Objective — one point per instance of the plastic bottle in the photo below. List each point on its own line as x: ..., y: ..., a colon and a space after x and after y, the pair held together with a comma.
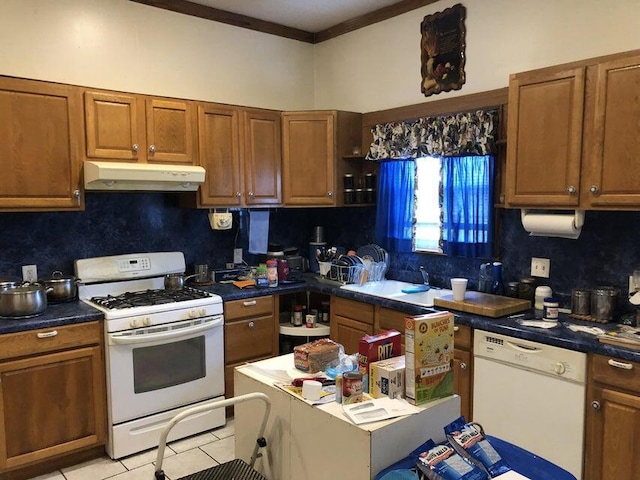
x: 272, y: 272
x: 497, y: 288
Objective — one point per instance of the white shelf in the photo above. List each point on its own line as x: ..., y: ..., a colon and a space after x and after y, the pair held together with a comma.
x: 320, y: 330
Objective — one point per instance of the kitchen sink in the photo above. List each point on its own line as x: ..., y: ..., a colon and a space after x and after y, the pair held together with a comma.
x: 393, y: 290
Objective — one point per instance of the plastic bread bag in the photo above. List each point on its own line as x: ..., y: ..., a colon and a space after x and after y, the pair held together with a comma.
x: 442, y: 462
x: 469, y: 441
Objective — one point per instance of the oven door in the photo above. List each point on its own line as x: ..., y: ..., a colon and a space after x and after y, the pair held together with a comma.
x: 158, y: 368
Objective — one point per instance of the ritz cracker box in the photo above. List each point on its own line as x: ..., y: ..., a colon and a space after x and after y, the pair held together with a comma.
x: 377, y: 347
x: 428, y: 356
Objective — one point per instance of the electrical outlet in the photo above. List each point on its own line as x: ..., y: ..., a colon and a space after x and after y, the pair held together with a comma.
x: 29, y: 273
x: 237, y: 256
x: 540, y: 267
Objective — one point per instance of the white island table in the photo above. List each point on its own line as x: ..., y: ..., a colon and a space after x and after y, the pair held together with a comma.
x: 318, y: 442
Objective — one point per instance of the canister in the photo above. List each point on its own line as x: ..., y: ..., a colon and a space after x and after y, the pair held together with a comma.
x: 512, y: 289
x: 370, y: 181
x: 349, y: 196
x: 550, y: 307
x: 348, y: 181
x: 351, y: 387
x: 580, y: 302
x: 359, y: 195
x: 542, y: 292
x: 603, y: 303
x: 370, y: 195
x: 526, y: 289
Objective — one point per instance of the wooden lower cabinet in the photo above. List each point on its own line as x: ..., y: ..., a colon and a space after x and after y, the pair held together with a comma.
x: 250, y: 333
x: 463, y: 369
x: 350, y: 321
x: 612, y: 447
x: 52, y: 395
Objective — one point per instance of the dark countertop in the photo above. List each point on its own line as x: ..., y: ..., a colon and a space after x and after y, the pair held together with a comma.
x: 560, y: 336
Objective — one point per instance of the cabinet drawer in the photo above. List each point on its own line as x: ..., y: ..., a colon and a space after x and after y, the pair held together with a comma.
x: 613, y: 371
x: 363, y: 312
x: 49, y: 339
x: 248, y: 307
x: 462, y: 337
x: 249, y: 339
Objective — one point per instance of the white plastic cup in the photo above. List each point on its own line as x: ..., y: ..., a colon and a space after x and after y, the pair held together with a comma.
x: 324, y: 268
x: 311, y: 390
x: 459, y: 287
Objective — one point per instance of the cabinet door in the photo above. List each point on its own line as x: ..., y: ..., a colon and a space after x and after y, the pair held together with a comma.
x: 462, y: 379
x: 248, y: 339
x: 170, y: 131
x: 262, y: 157
x: 51, y: 404
x: 612, y: 178
x: 218, y: 135
x: 613, y: 435
x: 348, y: 332
x: 115, y: 126
x: 544, y: 147
x: 40, y: 145
x: 308, y: 164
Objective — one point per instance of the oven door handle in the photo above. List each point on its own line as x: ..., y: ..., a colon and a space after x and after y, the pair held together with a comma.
x: 152, y: 337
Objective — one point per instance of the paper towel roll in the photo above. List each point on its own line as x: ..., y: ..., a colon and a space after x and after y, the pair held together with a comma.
x: 561, y: 225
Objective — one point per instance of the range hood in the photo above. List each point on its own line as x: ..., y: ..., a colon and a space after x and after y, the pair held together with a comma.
x: 120, y: 176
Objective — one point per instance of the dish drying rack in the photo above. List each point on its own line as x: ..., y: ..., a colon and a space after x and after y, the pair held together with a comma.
x: 358, y: 274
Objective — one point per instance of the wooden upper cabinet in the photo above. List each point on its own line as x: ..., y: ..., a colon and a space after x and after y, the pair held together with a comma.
x: 40, y: 145
x: 544, y: 147
x: 309, y: 158
x: 612, y: 176
x: 171, y: 131
x: 262, y: 154
x: 314, y: 144
x: 219, y: 145
x: 128, y: 127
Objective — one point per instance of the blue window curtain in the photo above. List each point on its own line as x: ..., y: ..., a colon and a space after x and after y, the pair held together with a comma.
x: 467, y: 183
x: 394, y: 213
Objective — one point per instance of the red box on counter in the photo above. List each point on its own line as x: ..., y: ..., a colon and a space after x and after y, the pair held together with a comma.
x: 377, y: 347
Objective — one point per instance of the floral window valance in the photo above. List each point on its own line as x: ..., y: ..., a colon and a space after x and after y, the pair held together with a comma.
x: 470, y: 133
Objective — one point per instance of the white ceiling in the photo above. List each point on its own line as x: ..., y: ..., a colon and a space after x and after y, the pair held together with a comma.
x: 308, y: 15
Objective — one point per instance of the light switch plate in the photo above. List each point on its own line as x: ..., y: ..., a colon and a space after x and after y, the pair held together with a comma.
x: 540, y: 267
x: 30, y: 273
x: 237, y: 256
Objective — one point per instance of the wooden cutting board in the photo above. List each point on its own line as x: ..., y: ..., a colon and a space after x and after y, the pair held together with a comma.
x: 484, y: 304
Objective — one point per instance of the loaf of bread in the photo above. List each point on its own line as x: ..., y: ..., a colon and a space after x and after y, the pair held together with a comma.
x: 316, y: 356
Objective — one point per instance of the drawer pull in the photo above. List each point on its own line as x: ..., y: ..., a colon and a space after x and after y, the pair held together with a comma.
x: 617, y: 364
x: 50, y: 334
x: 252, y: 325
x: 456, y: 328
x: 250, y: 303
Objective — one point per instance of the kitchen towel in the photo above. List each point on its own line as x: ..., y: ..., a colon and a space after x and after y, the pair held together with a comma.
x: 563, y: 225
x: 258, y: 231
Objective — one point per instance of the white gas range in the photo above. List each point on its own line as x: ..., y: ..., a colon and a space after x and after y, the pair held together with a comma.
x: 164, y: 349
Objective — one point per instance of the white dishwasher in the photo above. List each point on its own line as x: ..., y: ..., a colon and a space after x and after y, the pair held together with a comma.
x: 531, y: 395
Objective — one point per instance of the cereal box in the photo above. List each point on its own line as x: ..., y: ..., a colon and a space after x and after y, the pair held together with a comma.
x: 376, y: 347
x: 429, y: 356
x: 386, y: 378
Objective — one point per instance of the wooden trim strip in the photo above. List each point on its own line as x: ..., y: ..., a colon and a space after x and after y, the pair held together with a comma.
x: 367, y: 19
x: 491, y: 98
x: 235, y: 19
x: 251, y: 23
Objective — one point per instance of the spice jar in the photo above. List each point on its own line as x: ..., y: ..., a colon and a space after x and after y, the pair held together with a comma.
x: 296, y: 318
x: 349, y: 196
x: 359, y: 195
x: 349, y: 182
x: 550, y: 307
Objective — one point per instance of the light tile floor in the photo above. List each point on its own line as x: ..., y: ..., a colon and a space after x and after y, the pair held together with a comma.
x: 182, y: 457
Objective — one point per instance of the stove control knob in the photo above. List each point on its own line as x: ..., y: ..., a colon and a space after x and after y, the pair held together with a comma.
x: 559, y: 368
x: 134, y: 323
x: 146, y: 321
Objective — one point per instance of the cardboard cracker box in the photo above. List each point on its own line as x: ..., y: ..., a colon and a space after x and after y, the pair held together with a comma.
x: 429, y: 356
x: 377, y: 347
x: 386, y: 378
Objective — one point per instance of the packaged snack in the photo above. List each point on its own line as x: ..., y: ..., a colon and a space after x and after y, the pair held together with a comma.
x: 441, y: 462
x: 429, y: 356
x: 469, y: 441
x: 377, y: 347
x: 386, y: 378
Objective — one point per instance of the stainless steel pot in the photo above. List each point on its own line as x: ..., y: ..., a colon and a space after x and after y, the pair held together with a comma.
x: 60, y: 288
x: 9, y: 282
x: 176, y: 281
x: 23, y: 301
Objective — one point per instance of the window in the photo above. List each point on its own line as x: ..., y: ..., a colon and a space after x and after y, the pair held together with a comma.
x: 453, y: 211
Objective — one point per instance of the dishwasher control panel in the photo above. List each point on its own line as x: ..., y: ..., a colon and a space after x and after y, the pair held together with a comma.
x: 534, y: 356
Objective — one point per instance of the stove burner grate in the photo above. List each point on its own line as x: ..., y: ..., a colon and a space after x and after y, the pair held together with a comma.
x: 148, y: 298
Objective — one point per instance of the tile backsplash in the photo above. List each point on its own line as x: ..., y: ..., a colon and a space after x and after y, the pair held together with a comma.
x: 115, y: 223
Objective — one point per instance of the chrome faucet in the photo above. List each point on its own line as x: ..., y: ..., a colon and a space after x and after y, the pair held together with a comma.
x: 425, y: 275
